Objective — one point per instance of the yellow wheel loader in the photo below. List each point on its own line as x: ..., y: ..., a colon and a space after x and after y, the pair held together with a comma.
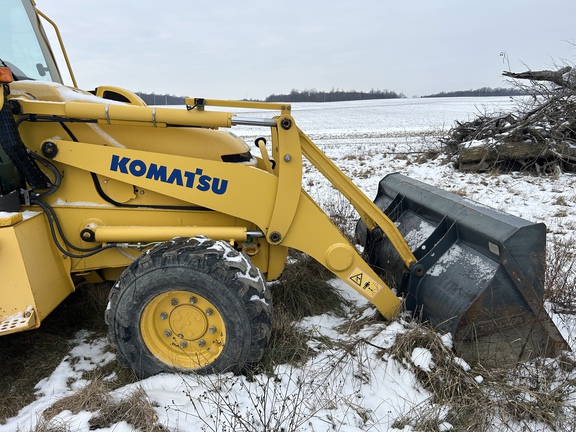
x: 189, y: 224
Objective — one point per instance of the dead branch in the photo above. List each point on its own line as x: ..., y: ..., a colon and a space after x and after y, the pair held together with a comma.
x: 558, y: 77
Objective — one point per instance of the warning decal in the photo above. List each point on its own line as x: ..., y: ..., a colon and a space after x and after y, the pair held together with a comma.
x: 364, y: 282
x: 357, y: 279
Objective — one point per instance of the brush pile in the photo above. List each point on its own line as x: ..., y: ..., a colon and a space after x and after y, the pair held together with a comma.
x: 539, y: 137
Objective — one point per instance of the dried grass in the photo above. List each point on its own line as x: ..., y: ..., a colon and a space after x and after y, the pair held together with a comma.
x: 560, y: 286
x: 92, y: 397
x: 303, y: 290
x: 288, y: 344
x: 135, y: 409
x: 477, y: 399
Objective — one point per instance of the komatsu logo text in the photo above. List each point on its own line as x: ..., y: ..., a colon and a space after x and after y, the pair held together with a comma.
x: 191, y: 179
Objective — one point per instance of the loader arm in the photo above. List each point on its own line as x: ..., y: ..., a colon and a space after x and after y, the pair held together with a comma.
x: 283, y: 210
x: 310, y: 231
x: 372, y: 216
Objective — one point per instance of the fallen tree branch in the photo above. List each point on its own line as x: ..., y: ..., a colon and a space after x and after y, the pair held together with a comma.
x: 557, y: 77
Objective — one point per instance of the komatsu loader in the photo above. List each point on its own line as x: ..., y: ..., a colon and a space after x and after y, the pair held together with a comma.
x: 189, y: 223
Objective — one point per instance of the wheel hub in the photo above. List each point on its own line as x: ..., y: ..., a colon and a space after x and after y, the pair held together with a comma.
x: 188, y: 322
x: 183, y: 330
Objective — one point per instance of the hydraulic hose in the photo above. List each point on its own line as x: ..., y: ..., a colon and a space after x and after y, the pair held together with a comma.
x: 16, y: 150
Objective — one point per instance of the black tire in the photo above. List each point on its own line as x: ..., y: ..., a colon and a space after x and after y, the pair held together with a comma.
x: 180, y: 281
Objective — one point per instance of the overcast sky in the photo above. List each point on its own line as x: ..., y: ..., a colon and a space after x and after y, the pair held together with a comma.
x: 251, y: 49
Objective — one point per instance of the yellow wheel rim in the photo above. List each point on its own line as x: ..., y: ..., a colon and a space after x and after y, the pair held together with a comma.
x: 183, y: 329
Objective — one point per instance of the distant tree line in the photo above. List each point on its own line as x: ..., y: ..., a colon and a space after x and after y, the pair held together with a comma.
x: 484, y: 91
x: 161, y: 99
x: 336, y: 95
x: 332, y: 96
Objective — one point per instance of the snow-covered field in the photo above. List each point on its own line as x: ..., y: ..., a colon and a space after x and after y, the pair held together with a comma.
x: 338, y: 390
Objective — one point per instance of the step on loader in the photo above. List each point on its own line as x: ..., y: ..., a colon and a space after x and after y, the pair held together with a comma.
x: 189, y: 225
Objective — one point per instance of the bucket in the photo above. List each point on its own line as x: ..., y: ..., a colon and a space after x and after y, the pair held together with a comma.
x: 479, y: 273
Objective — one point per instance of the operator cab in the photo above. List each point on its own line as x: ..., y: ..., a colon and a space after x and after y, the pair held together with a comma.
x: 24, y: 50
x: 23, y: 43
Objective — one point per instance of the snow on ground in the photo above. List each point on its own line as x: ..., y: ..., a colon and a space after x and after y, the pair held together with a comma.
x: 334, y: 390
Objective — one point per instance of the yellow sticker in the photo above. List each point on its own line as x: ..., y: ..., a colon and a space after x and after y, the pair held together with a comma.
x: 364, y: 282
